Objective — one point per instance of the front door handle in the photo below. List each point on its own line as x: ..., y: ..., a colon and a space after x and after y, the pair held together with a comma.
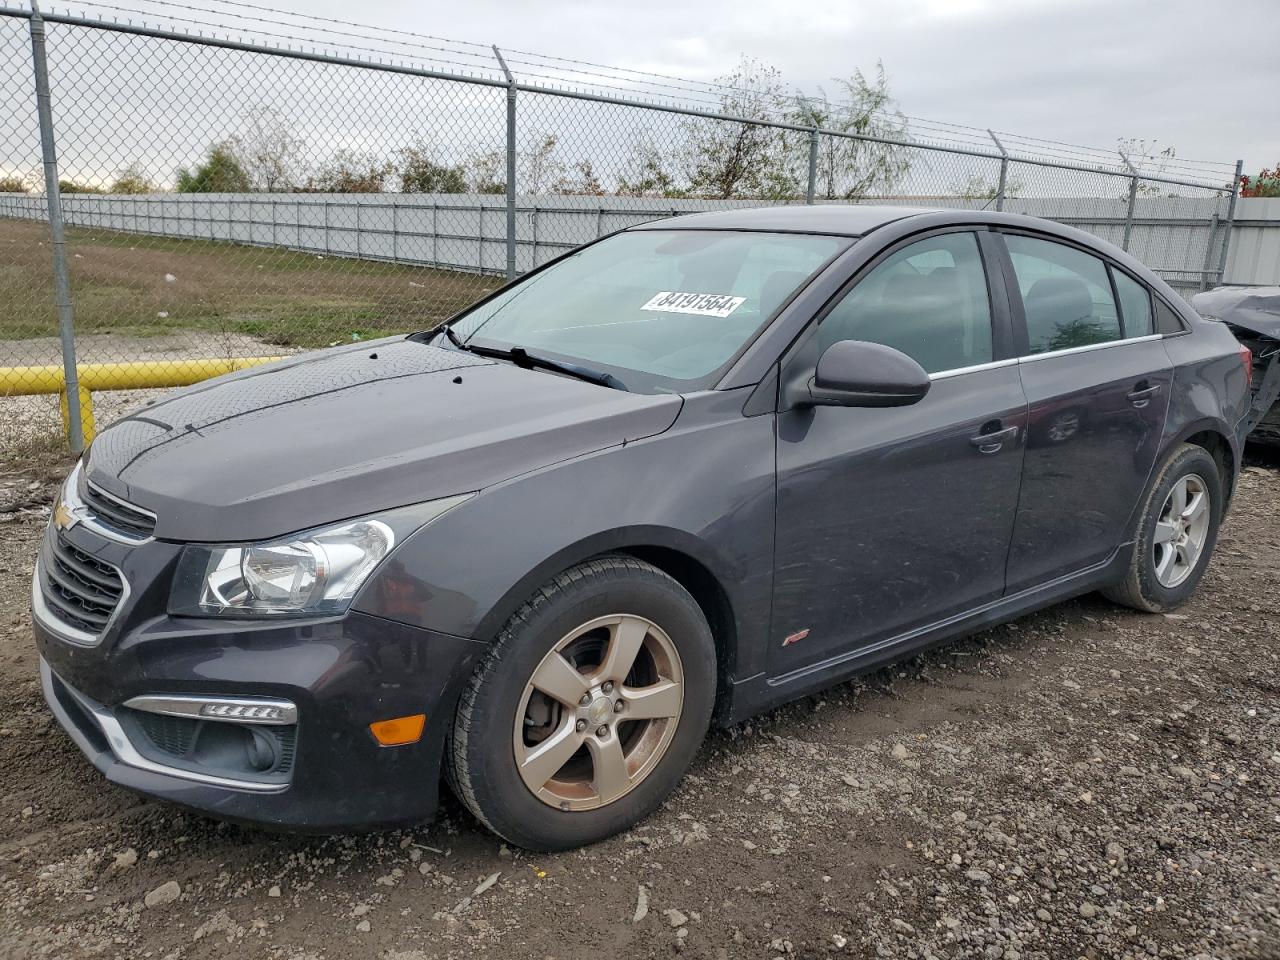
x: 993, y: 442
x: 1142, y: 393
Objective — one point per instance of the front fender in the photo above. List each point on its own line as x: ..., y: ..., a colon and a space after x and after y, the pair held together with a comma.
x: 704, y: 488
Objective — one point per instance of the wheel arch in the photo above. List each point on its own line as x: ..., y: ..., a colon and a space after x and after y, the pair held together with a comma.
x: 681, y: 556
x: 1217, y: 440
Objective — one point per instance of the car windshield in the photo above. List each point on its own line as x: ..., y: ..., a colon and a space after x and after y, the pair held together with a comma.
x: 662, y: 310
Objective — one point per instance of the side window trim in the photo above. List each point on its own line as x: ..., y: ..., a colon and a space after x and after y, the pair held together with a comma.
x: 998, y: 301
x: 1115, y: 295
x: 1088, y: 348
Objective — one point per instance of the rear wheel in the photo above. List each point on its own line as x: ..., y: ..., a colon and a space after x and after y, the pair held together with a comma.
x: 588, y: 709
x: 1176, y: 533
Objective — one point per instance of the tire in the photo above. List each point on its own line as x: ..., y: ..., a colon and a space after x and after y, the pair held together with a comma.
x: 1145, y: 587
x: 578, y: 620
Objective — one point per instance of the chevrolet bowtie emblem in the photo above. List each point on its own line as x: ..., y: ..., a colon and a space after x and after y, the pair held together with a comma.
x: 64, y: 517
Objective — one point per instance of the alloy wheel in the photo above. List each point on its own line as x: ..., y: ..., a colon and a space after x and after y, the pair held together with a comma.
x: 599, y: 712
x: 1181, y: 530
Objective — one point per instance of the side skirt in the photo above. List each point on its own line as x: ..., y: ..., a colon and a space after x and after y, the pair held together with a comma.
x: 753, y: 695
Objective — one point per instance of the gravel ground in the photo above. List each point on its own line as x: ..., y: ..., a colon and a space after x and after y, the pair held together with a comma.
x: 1086, y: 782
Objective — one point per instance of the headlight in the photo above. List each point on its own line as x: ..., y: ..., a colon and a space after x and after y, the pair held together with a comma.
x: 315, y: 572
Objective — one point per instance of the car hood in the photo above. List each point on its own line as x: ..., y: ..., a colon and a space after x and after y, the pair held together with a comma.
x: 351, y: 431
x: 1254, y: 308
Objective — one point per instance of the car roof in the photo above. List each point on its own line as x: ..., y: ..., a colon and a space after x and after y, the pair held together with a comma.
x: 842, y: 219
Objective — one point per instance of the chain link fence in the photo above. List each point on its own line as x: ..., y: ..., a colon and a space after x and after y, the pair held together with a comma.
x: 225, y: 201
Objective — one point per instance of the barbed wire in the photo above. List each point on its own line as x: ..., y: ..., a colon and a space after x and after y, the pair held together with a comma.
x: 562, y: 74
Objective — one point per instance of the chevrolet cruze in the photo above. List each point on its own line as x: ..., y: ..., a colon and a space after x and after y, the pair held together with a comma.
x: 678, y: 476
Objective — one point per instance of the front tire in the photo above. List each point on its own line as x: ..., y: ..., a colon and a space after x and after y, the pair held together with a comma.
x: 1176, y: 535
x: 588, y: 709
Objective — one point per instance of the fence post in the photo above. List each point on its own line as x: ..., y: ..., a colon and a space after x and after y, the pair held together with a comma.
x: 1133, y: 200
x: 813, y: 166
x: 1004, y: 170
x: 1208, y: 253
x: 74, y: 399
x: 511, y: 165
x: 1230, y: 223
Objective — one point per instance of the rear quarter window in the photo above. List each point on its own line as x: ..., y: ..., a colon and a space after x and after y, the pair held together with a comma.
x: 1167, y: 319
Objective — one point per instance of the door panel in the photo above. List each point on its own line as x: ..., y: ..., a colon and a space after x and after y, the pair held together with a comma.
x: 1096, y: 420
x: 1097, y: 403
x: 891, y: 519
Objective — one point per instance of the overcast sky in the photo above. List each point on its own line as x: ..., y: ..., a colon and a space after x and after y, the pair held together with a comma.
x: 1193, y: 75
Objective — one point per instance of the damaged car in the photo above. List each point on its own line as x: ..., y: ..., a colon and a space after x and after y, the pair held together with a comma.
x: 1253, y: 315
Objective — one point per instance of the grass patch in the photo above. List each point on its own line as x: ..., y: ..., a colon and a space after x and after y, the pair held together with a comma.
x: 136, y: 285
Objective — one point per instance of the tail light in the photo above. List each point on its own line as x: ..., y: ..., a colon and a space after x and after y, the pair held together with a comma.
x: 1246, y: 357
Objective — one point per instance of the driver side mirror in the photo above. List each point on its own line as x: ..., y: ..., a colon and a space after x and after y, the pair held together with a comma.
x: 856, y: 373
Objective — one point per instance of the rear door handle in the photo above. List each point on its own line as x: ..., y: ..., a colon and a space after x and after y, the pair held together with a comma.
x: 993, y: 442
x: 1141, y: 395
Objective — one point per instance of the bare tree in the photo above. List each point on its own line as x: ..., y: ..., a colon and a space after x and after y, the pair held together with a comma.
x: 728, y: 159
x: 1145, y: 157
x: 269, y: 150
x: 850, y: 168
x: 539, y: 167
x: 648, y: 171
x: 579, y: 180
x: 485, y: 171
x: 349, y: 171
x: 978, y: 187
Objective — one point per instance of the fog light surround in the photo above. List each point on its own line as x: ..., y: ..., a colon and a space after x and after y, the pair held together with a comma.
x: 232, y: 709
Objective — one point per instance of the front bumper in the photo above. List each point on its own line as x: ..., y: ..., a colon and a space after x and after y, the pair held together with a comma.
x: 342, y: 673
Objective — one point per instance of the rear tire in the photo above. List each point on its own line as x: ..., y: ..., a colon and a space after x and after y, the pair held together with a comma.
x: 1175, y: 537
x: 588, y: 709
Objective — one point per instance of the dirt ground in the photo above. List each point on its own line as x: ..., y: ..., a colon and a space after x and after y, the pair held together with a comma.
x: 1086, y: 782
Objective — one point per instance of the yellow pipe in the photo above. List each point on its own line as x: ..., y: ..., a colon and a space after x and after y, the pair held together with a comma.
x: 136, y: 375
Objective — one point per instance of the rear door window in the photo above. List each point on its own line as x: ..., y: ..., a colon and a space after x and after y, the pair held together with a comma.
x: 1066, y: 295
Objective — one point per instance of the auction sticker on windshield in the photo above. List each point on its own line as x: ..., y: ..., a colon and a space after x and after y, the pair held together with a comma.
x: 700, y: 304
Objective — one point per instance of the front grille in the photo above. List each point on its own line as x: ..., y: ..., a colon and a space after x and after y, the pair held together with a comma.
x: 80, y: 590
x: 124, y: 518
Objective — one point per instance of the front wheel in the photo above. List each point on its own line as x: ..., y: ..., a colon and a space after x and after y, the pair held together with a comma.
x: 1176, y: 533
x: 588, y: 709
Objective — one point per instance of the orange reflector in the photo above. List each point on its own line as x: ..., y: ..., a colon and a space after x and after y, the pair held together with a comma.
x: 401, y: 730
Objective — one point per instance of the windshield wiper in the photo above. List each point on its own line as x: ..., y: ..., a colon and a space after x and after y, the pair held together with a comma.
x: 447, y: 330
x: 530, y: 361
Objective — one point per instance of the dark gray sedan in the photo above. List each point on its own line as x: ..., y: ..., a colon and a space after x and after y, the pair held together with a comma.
x: 682, y: 474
